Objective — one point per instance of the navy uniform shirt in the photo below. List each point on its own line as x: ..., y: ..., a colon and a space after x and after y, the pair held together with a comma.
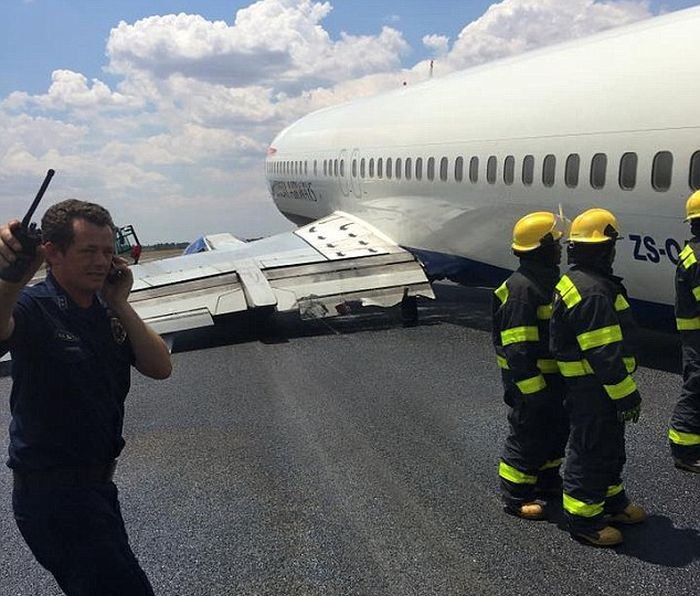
x: 71, y: 372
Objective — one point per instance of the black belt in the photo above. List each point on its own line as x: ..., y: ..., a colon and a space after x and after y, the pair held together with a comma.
x: 65, y: 476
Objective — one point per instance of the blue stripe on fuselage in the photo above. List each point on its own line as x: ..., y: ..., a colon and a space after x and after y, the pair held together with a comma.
x: 474, y: 273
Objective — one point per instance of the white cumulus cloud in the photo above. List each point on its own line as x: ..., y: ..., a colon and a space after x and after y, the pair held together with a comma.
x: 177, y: 145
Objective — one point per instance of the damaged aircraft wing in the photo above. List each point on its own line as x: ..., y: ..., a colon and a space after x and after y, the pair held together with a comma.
x: 315, y: 270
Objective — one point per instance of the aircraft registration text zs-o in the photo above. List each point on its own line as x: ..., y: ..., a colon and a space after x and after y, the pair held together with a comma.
x: 647, y: 249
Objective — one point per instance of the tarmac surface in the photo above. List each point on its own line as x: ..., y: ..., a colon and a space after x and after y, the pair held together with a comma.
x: 359, y: 457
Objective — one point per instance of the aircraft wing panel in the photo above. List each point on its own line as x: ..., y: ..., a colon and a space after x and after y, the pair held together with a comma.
x: 315, y: 270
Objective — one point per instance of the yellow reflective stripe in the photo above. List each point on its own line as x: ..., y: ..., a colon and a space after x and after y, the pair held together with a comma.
x: 688, y: 324
x: 502, y: 362
x: 513, y: 475
x: 621, y: 303
x: 696, y: 293
x: 599, y: 337
x: 576, y: 507
x: 614, y: 489
x: 547, y: 366
x: 518, y: 334
x: 555, y: 463
x: 568, y: 292
x: 580, y: 368
x: 621, y: 389
x: 577, y: 368
x: 502, y: 292
x: 544, y: 312
x: 680, y: 438
x: 531, y: 385
x: 687, y: 256
x: 687, y: 250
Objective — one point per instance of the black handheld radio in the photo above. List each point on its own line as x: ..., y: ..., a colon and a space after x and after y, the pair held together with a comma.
x: 29, y: 237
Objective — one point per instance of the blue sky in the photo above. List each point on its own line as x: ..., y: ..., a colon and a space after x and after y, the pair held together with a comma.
x: 165, y: 118
x: 39, y: 36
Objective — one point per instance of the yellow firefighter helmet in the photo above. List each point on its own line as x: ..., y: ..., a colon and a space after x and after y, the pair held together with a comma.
x: 594, y: 226
x: 692, y: 206
x: 536, y: 229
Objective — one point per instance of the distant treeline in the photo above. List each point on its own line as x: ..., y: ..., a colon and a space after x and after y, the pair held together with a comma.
x: 166, y: 246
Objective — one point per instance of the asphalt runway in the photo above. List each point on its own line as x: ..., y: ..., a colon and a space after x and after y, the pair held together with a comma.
x: 359, y: 457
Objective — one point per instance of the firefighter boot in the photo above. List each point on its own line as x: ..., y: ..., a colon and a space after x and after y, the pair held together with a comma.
x: 607, y: 536
x: 532, y: 510
x: 632, y: 514
x: 688, y: 466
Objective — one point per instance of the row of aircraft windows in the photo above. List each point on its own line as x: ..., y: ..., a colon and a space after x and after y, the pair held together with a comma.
x: 661, y: 170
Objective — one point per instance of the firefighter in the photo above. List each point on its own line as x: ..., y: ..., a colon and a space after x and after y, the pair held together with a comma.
x: 522, y: 306
x: 684, y: 434
x: 592, y: 332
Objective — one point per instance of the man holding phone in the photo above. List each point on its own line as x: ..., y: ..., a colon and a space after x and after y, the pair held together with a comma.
x: 73, y: 339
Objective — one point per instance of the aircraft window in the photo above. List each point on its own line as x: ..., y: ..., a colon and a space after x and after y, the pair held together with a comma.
x: 599, y: 165
x: 459, y: 169
x: 335, y: 168
x: 474, y: 169
x: 362, y: 168
x: 491, y: 166
x: 389, y: 170
x: 419, y: 168
x: 444, y: 163
x: 549, y: 166
x: 430, y: 170
x: 571, y: 170
x: 397, y: 168
x: 354, y: 168
x: 661, y: 170
x: 379, y: 167
x: 528, y: 170
x: 695, y: 171
x: 315, y: 169
x: 407, y: 168
x: 306, y: 168
x: 509, y: 170
x: 342, y: 168
x: 371, y: 167
x: 628, y: 171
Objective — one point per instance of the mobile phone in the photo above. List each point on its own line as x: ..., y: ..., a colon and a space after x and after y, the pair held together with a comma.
x: 113, y: 275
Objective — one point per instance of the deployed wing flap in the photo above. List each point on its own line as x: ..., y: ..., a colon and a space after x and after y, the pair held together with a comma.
x: 315, y: 270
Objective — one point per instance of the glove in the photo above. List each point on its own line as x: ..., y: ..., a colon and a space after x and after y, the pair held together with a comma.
x: 631, y: 415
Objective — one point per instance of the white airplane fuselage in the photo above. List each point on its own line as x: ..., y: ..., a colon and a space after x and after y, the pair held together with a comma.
x: 501, y: 140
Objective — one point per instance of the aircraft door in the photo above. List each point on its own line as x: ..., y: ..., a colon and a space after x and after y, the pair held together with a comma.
x: 355, y: 179
x: 343, y: 173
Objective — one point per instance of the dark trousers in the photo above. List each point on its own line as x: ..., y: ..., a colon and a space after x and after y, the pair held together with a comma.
x: 538, y: 429
x: 78, y: 534
x: 596, y: 456
x: 686, y: 414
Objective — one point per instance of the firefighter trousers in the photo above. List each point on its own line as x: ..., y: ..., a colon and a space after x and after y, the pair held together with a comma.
x: 684, y: 435
x: 592, y: 476
x: 534, y: 447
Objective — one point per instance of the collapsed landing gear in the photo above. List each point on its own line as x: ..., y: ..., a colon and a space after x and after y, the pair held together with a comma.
x: 409, y: 310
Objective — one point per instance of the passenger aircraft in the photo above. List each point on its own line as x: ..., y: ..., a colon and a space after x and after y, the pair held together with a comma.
x: 426, y: 182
